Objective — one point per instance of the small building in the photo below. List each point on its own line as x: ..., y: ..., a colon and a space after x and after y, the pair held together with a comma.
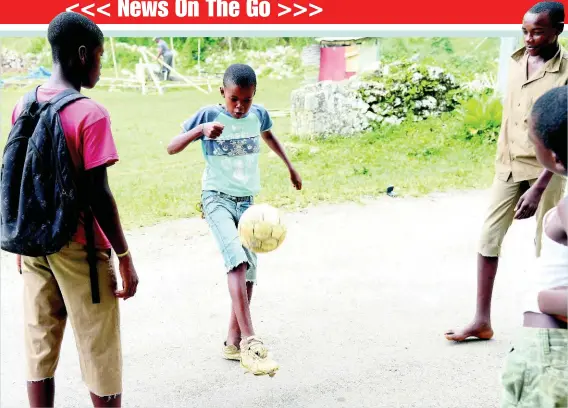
x: 343, y: 57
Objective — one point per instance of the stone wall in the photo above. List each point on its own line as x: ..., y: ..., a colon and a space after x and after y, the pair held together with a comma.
x: 389, y: 95
x: 328, y: 108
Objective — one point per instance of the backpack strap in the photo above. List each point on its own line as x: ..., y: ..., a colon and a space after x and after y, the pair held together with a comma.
x: 30, y: 102
x: 30, y: 97
x: 64, y: 98
x: 57, y: 103
x: 88, y: 221
x: 60, y: 100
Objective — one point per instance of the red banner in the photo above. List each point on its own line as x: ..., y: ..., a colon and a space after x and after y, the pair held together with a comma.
x: 304, y: 12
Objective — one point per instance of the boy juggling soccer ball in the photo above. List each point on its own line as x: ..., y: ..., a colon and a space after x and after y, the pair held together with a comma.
x: 536, y: 369
x: 230, y: 137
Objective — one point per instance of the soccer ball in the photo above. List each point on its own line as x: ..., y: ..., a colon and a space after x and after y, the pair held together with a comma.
x: 260, y: 228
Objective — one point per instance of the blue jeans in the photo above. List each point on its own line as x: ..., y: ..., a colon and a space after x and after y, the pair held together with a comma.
x: 223, y: 212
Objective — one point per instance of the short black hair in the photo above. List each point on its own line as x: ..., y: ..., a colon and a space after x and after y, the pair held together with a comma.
x: 68, y: 31
x: 554, y: 9
x: 549, y: 114
x: 240, y: 75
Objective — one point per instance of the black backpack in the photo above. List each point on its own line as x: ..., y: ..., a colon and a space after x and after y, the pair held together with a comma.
x: 41, y: 203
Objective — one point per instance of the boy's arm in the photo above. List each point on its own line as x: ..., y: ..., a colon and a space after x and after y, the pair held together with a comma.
x: 181, y: 141
x: 104, y: 208
x: 554, y: 302
x: 199, y: 125
x: 105, y: 212
x: 528, y: 203
x: 543, y: 180
x: 277, y: 148
x: 212, y: 130
x: 99, y: 152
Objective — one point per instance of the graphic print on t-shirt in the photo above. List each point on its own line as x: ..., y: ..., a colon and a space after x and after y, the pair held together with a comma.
x: 232, y: 158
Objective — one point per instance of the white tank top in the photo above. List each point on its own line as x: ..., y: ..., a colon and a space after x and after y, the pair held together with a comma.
x: 550, y: 269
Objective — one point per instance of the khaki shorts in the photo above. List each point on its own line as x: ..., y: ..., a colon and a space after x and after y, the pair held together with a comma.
x: 501, y: 212
x: 536, y: 370
x: 56, y: 287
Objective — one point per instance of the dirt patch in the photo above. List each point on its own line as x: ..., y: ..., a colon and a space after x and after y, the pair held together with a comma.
x: 353, y: 305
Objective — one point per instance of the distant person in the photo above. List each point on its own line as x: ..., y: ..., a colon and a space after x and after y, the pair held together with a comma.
x: 77, y: 283
x: 536, y: 369
x: 166, y: 54
x: 231, y: 135
x: 521, y: 187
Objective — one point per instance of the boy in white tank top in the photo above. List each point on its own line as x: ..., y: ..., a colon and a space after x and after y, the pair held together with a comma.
x: 536, y: 369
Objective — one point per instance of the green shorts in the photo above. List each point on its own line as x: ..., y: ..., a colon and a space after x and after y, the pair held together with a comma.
x: 536, y: 370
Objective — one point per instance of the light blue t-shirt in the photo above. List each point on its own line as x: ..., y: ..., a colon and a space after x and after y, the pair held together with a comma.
x: 232, y: 159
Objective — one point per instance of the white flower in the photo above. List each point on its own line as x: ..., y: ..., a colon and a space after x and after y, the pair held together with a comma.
x: 417, y: 76
x: 435, y: 72
x: 428, y: 102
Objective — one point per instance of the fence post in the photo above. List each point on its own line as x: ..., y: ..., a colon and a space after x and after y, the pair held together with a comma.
x: 508, y: 46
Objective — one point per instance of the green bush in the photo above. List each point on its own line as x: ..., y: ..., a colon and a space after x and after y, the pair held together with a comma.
x: 406, y: 89
x: 481, y: 117
x: 38, y: 45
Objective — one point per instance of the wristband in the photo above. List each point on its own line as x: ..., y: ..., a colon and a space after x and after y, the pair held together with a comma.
x: 124, y: 254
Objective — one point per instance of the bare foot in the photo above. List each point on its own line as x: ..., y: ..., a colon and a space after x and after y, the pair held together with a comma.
x: 477, y: 330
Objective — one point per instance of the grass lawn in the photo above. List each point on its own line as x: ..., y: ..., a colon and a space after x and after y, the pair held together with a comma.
x: 151, y: 186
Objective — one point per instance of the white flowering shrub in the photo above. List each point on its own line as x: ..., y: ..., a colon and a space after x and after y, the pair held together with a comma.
x: 407, y: 90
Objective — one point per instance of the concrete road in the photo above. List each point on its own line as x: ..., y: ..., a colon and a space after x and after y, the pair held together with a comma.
x: 354, y: 306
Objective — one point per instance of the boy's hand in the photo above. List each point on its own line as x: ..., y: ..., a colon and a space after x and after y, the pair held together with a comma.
x: 213, y: 129
x: 296, y: 179
x: 528, y: 204
x: 129, y: 278
x: 19, y: 263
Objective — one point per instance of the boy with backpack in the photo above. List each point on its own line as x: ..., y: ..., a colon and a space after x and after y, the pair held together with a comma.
x: 59, y: 215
